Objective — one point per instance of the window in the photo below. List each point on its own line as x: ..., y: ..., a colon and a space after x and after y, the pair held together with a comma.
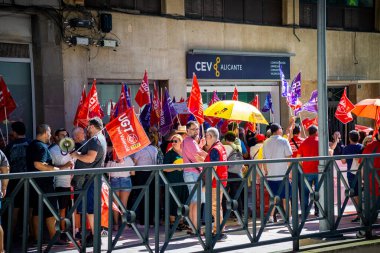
x: 352, y: 15
x: 144, y: 6
x: 262, y: 12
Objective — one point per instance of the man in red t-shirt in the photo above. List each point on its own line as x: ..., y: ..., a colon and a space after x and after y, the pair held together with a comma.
x: 295, y: 141
x: 309, y: 148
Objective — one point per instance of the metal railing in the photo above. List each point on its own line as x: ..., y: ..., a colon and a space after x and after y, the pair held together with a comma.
x: 366, y: 208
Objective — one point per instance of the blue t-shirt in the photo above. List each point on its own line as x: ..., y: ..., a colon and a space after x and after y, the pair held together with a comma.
x: 352, y: 149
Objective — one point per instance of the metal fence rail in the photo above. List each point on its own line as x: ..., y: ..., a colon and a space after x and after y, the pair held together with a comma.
x: 366, y: 208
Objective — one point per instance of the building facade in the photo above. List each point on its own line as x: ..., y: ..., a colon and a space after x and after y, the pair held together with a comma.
x: 47, y: 54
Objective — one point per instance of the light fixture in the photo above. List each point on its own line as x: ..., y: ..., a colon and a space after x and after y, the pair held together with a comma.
x: 78, y: 40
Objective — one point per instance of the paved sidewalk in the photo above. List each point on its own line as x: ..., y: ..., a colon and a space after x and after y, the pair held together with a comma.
x: 191, y: 244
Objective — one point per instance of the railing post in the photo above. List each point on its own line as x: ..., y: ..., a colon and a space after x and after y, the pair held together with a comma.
x: 157, y: 212
x: 367, y: 198
x: 296, y: 242
x: 25, y: 217
x: 97, y: 211
x: 208, y: 211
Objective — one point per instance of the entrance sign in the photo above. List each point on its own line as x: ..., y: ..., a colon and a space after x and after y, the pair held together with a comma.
x: 221, y: 66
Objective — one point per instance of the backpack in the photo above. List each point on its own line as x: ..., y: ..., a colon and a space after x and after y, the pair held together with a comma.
x: 235, y: 155
x: 17, y: 157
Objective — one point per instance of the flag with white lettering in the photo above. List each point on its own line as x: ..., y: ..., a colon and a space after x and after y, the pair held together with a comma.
x: 143, y: 95
x: 155, y: 111
x: 127, y: 134
x: 343, y: 111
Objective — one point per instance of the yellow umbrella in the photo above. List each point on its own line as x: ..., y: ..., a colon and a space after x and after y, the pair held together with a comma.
x: 235, y: 110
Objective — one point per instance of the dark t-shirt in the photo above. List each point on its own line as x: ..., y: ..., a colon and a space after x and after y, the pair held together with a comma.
x: 97, y: 144
x: 352, y: 149
x: 38, y: 151
x: 17, y: 156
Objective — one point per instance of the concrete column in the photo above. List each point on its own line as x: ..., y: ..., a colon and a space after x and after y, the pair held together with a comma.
x: 290, y: 12
x: 173, y: 7
x: 377, y: 15
x: 48, y: 72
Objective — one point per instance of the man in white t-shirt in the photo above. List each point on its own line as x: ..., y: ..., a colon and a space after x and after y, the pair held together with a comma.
x: 61, y: 183
x: 277, y: 147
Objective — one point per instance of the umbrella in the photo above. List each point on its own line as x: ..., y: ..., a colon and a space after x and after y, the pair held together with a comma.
x: 235, y: 110
x: 368, y: 108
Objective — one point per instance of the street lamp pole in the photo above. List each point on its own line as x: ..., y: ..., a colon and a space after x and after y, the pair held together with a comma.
x: 326, y: 198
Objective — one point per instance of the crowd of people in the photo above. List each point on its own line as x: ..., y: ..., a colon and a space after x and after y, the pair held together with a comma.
x: 181, y: 146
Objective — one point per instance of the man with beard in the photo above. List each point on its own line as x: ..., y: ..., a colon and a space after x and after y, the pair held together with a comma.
x: 38, y: 158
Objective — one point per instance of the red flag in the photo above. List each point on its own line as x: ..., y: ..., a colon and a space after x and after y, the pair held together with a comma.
x: 256, y: 103
x: 195, y: 103
x: 143, y: 95
x: 212, y: 120
x: 309, y: 122
x: 181, y: 100
x: 155, y: 111
x: 122, y: 104
x: 7, y: 103
x: 77, y: 121
x: 235, y: 96
x: 91, y: 107
x: 127, y: 134
x: 343, y: 111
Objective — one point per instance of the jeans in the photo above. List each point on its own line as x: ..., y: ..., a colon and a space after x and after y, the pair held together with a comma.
x: 311, y: 178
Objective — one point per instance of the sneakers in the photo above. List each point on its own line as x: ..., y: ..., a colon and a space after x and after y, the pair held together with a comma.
x: 270, y: 220
x: 104, y: 233
x: 357, y: 219
x: 78, y: 235
x: 222, y: 237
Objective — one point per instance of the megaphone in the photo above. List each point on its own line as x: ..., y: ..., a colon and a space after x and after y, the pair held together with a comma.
x: 67, y: 145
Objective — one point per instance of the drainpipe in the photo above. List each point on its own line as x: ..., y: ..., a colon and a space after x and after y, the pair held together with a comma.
x: 294, y: 21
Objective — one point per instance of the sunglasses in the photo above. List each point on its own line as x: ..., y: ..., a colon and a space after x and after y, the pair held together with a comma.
x: 174, y: 141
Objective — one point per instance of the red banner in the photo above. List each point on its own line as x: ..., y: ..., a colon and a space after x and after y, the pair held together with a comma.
x: 343, y: 111
x: 127, y: 134
x: 7, y: 103
x: 77, y: 121
x: 309, y: 122
x: 195, y: 103
x: 143, y: 95
x: 251, y: 126
x: 155, y: 111
x: 90, y: 107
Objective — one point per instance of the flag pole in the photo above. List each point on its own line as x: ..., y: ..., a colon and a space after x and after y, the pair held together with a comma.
x: 6, y: 123
x: 2, y: 136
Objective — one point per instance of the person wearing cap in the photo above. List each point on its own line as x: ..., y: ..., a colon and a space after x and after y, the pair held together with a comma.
x: 175, y: 176
x: 309, y: 148
x: 181, y: 131
x: 277, y: 147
